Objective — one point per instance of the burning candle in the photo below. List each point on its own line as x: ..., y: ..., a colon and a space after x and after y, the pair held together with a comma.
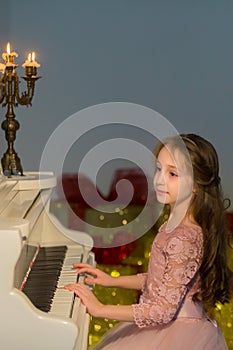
x: 31, y: 60
x: 34, y: 63
x: 8, y: 56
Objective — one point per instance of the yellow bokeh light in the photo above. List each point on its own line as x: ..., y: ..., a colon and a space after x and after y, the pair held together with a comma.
x: 97, y: 327
x: 115, y: 273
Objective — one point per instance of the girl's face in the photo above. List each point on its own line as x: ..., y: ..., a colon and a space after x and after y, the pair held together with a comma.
x: 172, y: 182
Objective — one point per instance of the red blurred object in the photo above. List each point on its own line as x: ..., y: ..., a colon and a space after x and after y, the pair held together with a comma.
x: 116, y: 252
x: 230, y: 221
x: 68, y: 187
x: 139, y: 181
x: 76, y: 212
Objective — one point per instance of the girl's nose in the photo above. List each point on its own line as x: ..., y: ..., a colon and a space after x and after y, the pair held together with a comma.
x: 159, y: 178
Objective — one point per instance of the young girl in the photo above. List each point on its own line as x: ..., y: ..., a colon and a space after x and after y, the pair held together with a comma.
x: 187, y: 270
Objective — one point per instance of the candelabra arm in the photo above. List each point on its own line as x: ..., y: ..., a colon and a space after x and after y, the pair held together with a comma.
x: 26, y: 97
x: 2, y: 90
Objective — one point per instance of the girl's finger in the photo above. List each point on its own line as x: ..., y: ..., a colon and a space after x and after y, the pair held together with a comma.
x: 76, y: 265
x: 91, y: 271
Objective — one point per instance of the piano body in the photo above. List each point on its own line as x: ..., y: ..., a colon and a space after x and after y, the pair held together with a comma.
x: 35, y: 247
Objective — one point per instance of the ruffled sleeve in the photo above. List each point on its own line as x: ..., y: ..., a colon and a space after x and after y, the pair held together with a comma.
x: 182, y: 256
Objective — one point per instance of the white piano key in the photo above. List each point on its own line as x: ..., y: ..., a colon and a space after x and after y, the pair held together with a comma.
x: 69, y: 261
x: 62, y: 303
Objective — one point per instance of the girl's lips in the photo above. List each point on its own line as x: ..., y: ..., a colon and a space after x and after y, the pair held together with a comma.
x: 161, y: 191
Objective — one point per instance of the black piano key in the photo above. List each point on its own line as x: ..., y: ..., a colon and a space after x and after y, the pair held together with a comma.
x: 41, y: 273
x: 39, y: 295
x: 41, y: 283
x: 37, y: 287
x: 51, y: 251
x: 48, y: 266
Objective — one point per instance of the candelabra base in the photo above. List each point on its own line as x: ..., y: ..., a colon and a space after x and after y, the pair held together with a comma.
x: 11, y: 164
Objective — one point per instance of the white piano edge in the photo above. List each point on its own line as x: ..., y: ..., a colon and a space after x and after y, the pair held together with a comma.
x: 21, y: 225
x: 83, y: 320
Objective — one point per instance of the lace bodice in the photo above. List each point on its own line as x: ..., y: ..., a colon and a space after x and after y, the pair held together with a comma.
x: 172, y: 275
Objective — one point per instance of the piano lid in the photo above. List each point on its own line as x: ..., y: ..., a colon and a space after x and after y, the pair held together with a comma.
x: 33, y: 180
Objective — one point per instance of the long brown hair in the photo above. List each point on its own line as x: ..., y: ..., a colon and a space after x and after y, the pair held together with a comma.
x: 208, y: 209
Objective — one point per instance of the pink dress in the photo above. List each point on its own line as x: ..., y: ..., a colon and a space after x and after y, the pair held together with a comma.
x: 166, y: 318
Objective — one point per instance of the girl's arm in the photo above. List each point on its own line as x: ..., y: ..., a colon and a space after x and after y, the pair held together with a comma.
x: 101, y: 278
x: 96, y: 308
x: 183, y: 258
x: 129, y: 282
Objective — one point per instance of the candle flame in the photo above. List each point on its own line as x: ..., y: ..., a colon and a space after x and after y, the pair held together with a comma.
x: 31, y: 60
x: 8, y: 48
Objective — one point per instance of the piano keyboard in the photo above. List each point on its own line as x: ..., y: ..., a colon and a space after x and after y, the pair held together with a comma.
x: 51, y: 271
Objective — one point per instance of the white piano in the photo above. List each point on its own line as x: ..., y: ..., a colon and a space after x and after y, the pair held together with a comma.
x: 34, y: 249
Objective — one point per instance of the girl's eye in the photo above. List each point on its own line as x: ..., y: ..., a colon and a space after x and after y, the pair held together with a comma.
x: 158, y: 168
x: 173, y: 174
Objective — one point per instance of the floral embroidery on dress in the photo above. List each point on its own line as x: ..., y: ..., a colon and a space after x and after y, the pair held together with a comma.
x: 142, y: 277
x: 174, y: 263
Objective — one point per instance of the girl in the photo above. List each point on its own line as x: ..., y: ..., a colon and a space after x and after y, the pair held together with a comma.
x: 187, y: 270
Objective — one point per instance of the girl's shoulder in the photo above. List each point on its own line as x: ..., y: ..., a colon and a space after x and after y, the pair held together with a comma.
x: 181, y: 226
x: 183, y: 231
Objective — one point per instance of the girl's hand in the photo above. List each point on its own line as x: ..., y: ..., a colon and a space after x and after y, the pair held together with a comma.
x: 98, y: 277
x: 87, y: 297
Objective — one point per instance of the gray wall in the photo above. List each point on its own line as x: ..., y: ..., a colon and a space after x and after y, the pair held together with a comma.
x: 175, y: 57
